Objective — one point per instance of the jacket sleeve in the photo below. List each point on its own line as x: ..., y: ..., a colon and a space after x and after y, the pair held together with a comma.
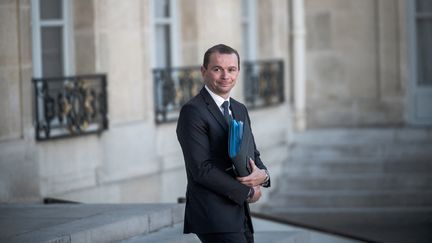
x: 192, y: 133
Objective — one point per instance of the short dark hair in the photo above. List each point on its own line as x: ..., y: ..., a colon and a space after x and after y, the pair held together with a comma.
x: 220, y: 48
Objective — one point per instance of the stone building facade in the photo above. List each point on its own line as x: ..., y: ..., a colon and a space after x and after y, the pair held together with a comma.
x: 359, y: 67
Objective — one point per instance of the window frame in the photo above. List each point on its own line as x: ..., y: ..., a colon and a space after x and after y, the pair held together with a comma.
x: 172, y: 21
x: 418, y: 94
x: 66, y: 23
x: 249, y: 25
x: 427, y: 16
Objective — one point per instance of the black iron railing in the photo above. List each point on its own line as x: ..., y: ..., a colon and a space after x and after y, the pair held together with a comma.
x: 70, y: 106
x: 263, y: 83
x: 173, y: 87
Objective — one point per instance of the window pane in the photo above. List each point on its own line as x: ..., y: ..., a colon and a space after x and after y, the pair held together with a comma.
x: 247, y: 22
x: 162, y: 8
x: 163, y: 49
x: 245, y: 8
x: 246, y: 41
x: 52, y: 55
x: 424, y: 6
x: 424, y: 45
x: 51, y: 9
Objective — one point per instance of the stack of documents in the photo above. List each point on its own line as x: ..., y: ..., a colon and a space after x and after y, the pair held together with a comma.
x: 240, y: 146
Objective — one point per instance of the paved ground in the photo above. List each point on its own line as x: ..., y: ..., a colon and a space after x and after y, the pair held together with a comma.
x: 135, y: 223
x: 84, y: 222
x: 383, y: 225
x: 128, y: 223
x: 265, y: 232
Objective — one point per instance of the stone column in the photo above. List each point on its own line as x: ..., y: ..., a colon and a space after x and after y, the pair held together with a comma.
x: 299, y: 34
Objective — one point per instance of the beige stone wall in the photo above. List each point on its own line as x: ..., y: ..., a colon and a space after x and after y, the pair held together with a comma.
x: 353, y: 63
x: 135, y: 160
x: 119, y: 44
x: 104, y: 164
x: 189, y: 33
x: 84, y: 36
x: 10, y: 86
x: 273, y: 29
x: 218, y: 22
x: 274, y: 33
x: 19, y: 179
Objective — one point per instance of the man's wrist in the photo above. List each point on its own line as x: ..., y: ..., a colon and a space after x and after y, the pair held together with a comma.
x: 267, y: 178
x: 250, y: 194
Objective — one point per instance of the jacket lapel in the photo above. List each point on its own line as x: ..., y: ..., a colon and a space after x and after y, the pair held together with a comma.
x: 212, y: 107
x: 237, y: 110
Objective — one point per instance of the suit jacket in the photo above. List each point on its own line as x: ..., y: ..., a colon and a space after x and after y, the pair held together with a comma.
x: 215, y: 200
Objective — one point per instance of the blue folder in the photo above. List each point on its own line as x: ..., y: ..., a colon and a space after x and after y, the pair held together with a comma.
x: 236, y: 135
x: 240, y: 146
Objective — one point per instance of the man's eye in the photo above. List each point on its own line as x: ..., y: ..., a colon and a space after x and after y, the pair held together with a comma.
x: 232, y: 70
x: 216, y: 69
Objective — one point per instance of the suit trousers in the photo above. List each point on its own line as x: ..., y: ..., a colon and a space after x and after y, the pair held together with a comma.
x: 237, y: 237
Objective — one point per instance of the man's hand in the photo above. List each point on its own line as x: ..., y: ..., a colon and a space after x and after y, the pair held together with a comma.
x: 257, y: 194
x: 256, y: 177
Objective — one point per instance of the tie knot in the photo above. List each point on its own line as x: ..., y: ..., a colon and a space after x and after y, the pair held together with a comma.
x: 226, y: 113
x: 225, y: 105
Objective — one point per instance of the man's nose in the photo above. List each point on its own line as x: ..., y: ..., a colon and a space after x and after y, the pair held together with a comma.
x: 224, y: 74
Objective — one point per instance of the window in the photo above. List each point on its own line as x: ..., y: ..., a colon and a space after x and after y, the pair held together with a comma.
x: 52, y: 40
x: 169, y: 78
x: 65, y: 105
x: 249, y: 29
x: 424, y: 41
x: 420, y: 50
x: 165, y: 33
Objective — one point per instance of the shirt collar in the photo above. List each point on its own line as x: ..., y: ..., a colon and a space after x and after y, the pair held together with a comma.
x: 219, y: 100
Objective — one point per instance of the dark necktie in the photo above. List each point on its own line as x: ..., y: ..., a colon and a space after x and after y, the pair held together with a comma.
x: 226, y: 111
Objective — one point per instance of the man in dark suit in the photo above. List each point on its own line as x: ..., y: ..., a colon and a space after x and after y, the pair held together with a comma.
x: 217, y: 202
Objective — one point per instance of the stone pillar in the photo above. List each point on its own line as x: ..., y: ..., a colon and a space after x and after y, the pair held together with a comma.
x: 17, y: 154
x: 10, y: 102
x: 299, y: 33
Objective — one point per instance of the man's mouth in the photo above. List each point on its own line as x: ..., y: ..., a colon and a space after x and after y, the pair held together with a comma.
x: 224, y: 83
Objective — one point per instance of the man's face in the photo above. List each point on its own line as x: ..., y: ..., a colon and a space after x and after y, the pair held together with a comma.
x: 221, y: 73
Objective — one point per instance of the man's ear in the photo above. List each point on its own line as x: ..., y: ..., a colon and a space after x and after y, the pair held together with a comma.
x: 203, y: 71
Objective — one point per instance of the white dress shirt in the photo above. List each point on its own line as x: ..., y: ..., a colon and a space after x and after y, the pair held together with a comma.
x: 218, y: 99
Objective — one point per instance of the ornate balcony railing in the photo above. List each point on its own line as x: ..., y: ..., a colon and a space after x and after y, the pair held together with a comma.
x: 70, y: 106
x: 263, y: 83
x: 173, y: 87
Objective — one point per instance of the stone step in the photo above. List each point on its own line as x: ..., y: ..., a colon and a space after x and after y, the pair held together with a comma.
x: 378, y: 224
x: 175, y: 235
x: 364, y: 136
x: 272, y: 210
x: 391, y: 198
x: 356, y: 166
x: 281, y: 237
x: 354, y: 182
x: 414, y: 151
x: 84, y: 222
x: 334, y: 177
